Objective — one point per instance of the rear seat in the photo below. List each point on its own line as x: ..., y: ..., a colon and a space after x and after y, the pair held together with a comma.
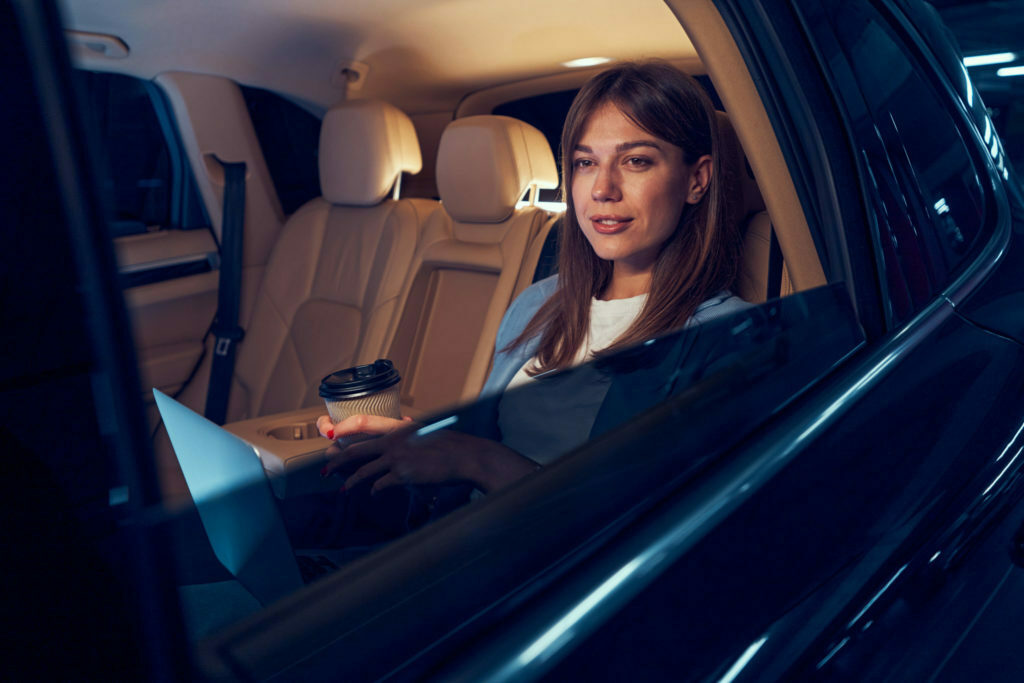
x: 469, y: 265
x: 332, y: 287
x: 331, y: 291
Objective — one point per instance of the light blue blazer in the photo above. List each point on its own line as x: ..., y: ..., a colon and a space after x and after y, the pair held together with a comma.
x: 507, y: 363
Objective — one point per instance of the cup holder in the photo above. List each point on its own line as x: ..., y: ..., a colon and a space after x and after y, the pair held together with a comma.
x: 294, y: 432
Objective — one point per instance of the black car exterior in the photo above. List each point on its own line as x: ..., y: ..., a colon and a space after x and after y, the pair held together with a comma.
x: 836, y: 495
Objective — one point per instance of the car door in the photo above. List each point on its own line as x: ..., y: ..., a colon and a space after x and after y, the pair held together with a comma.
x: 168, y: 256
x: 878, y: 544
x: 160, y: 145
x: 803, y: 516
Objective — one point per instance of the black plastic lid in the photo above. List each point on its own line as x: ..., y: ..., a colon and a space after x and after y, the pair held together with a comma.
x: 359, y: 381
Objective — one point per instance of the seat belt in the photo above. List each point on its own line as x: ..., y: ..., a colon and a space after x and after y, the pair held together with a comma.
x: 226, y: 330
x: 774, y: 266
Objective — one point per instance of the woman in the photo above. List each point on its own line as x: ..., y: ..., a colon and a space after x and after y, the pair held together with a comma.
x: 645, y: 248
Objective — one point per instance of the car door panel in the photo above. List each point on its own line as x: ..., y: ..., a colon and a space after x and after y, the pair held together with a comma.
x: 888, y: 469
x: 170, y: 287
x: 150, y: 257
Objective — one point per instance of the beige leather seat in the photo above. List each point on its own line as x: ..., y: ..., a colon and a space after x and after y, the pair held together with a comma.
x: 333, y: 284
x: 744, y: 197
x: 467, y: 268
x: 332, y: 288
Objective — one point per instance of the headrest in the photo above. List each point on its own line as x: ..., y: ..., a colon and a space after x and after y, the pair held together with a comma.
x: 740, y: 190
x: 486, y: 163
x: 365, y: 145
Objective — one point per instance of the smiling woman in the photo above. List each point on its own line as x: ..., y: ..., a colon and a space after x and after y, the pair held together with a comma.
x: 645, y: 212
x: 627, y: 196
x: 646, y: 251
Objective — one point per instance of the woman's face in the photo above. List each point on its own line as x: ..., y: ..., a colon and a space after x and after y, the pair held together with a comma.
x: 629, y: 188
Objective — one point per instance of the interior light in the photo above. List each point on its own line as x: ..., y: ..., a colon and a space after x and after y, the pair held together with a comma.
x: 553, y: 207
x: 1011, y: 71
x: 586, y: 61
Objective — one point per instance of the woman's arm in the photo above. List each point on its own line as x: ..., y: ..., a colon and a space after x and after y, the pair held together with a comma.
x: 402, y: 456
x: 441, y: 457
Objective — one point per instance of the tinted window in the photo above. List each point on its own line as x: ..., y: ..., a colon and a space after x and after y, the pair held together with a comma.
x: 547, y: 114
x: 135, y: 173
x: 144, y: 177
x: 290, y: 138
x: 927, y: 194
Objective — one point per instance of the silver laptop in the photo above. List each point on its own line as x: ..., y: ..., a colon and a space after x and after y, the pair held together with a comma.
x: 235, y: 503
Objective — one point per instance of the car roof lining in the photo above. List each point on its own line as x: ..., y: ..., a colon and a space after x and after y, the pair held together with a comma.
x: 698, y: 42
x: 421, y: 56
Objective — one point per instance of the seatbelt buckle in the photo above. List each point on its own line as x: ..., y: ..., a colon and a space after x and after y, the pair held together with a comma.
x: 223, y: 346
x: 225, y: 340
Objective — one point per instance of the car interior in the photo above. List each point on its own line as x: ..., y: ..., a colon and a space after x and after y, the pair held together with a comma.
x: 824, y: 483
x: 432, y: 211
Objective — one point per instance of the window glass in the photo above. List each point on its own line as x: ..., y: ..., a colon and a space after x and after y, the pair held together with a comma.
x: 290, y: 138
x: 929, y: 199
x: 135, y: 162
x: 662, y: 412
x: 546, y: 113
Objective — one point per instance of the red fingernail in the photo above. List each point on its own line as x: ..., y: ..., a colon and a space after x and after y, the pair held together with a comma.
x: 323, y: 472
x: 341, y: 490
x: 330, y: 433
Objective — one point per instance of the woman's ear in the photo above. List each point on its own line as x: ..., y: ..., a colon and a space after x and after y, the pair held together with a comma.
x: 699, y: 179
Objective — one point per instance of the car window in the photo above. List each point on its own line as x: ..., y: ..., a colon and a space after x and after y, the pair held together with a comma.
x: 289, y: 138
x: 930, y: 203
x: 672, y: 407
x: 145, y: 183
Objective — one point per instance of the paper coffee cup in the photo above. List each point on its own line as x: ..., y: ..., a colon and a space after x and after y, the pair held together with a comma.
x: 370, y: 389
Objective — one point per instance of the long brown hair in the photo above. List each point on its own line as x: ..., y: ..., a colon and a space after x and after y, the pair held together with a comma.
x: 699, y: 259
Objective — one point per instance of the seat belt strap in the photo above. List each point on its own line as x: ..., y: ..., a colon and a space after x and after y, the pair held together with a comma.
x: 774, y: 266
x: 226, y: 330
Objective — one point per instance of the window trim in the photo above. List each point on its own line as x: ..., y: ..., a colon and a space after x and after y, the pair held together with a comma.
x: 990, y: 254
x: 828, y: 210
x: 187, y: 211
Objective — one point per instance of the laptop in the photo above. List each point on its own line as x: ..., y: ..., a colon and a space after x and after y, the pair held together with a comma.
x: 236, y: 505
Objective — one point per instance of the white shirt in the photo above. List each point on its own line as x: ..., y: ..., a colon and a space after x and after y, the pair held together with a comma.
x: 543, y: 417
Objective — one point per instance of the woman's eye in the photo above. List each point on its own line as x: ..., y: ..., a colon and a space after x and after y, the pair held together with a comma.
x: 638, y: 162
x: 582, y: 163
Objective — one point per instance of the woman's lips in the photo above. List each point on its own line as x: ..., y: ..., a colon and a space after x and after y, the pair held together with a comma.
x: 609, y: 225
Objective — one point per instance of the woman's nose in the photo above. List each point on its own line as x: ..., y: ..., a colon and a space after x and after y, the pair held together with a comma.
x: 606, y: 187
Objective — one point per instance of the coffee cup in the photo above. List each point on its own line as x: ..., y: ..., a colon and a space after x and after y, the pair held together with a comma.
x: 370, y: 389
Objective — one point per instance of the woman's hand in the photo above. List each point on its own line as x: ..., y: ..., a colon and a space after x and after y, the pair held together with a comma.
x: 359, y: 425
x: 401, y: 456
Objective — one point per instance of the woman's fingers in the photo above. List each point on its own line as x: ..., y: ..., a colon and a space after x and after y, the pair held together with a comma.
x: 371, y: 470
x: 388, y: 480
x: 340, y: 456
x: 359, y: 424
x: 367, y: 424
x: 325, y: 426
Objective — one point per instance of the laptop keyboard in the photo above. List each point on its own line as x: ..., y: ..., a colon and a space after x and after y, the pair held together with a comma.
x: 313, y: 567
